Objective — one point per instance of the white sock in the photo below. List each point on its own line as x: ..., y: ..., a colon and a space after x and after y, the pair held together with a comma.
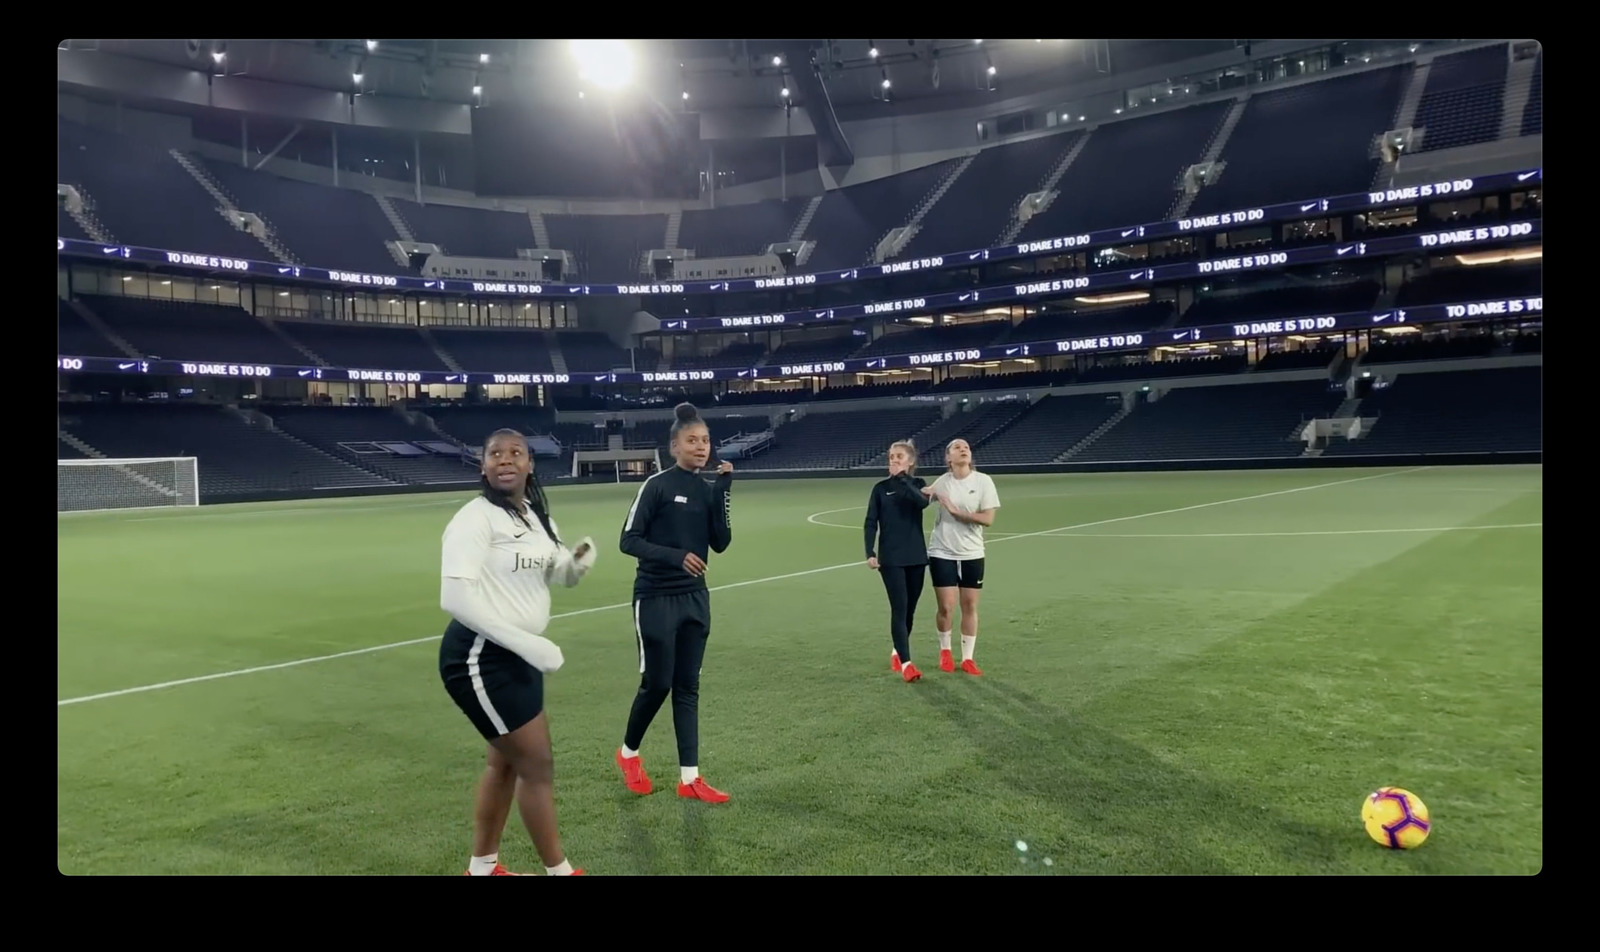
x: 944, y: 641
x: 628, y: 754
x: 483, y: 865
x: 967, y: 643
x: 688, y: 774
x: 565, y: 869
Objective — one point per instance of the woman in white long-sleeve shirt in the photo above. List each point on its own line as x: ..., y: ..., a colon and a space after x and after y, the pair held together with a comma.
x: 501, y: 556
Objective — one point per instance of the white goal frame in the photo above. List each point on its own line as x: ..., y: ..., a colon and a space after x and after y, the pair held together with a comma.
x: 145, y: 482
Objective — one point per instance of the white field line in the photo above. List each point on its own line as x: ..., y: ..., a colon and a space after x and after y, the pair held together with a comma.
x: 1264, y: 535
x: 717, y: 588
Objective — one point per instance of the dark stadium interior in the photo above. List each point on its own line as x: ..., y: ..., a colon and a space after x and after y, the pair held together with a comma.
x: 736, y: 165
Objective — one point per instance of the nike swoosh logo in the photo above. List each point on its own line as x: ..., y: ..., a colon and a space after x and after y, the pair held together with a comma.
x: 519, y: 535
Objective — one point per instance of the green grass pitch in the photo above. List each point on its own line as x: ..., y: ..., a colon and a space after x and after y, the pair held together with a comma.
x: 1197, y: 673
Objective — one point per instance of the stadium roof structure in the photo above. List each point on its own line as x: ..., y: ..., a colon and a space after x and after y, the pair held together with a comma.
x: 736, y: 73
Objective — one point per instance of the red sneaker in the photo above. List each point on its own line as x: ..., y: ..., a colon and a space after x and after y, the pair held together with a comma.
x: 910, y: 673
x: 700, y: 790
x: 497, y: 871
x: 970, y: 666
x: 894, y: 661
x: 633, y: 773
x: 946, y: 663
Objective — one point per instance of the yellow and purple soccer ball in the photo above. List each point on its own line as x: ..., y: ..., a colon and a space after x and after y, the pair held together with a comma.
x: 1396, y: 818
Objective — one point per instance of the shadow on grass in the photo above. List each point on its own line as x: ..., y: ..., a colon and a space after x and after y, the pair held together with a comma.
x: 1127, y: 811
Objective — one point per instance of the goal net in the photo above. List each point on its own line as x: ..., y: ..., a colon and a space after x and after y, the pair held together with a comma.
x: 92, y: 485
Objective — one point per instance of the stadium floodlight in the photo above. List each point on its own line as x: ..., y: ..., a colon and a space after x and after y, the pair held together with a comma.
x: 607, y: 64
x: 97, y: 485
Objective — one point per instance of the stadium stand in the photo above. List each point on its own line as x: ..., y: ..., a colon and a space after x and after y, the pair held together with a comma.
x: 1127, y: 172
x: 467, y: 232
x: 1052, y: 426
x: 347, y: 344
x: 850, y: 221
x: 238, y: 455
x: 179, y: 330
x: 1463, y: 99
x: 143, y: 196
x: 608, y: 247
x: 322, y: 225
x: 486, y: 349
x: 733, y: 230
x: 1462, y: 411
x: 1243, y: 421
x: 979, y: 205
x: 840, y: 440
x: 1533, y: 112
x: 1308, y: 140
x: 380, y: 441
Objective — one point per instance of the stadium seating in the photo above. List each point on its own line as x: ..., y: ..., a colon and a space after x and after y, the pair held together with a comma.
x: 840, y: 440
x: 75, y: 337
x: 357, y: 435
x: 1127, y: 172
x: 1465, y: 411
x: 519, y: 351
x: 346, y: 344
x: 1409, y: 348
x: 608, y: 247
x: 979, y: 204
x: 321, y: 225
x: 849, y: 222
x: 1533, y: 112
x: 734, y: 230
x: 1221, y: 307
x: 143, y: 196
x: 1305, y: 141
x: 467, y: 232
x: 182, y: 330
x: 1245, y: 421
x: 1053, y: 425
x: 236, y: 457
x: 1464, y: 98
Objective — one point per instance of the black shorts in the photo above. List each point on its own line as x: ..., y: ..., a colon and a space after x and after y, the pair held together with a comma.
x: 497, y: 690
x: 954, y: 573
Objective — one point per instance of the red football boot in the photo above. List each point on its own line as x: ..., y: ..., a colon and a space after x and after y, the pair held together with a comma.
x: 910, y: 673
x: 700, y: 790
x: 946, y: 663
x: 894, y: 661
x: 497, y: 871
x: 971, y: 667
x: 633, y: 774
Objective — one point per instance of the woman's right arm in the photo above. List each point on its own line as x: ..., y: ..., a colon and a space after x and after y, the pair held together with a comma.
x: 870, y: 526
x: 637, y: 526
x: 466, y: 546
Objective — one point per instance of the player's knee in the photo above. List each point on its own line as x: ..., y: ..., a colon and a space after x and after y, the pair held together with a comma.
x: 656, y: 683
x: 533, y: 762
x: 686, y: 688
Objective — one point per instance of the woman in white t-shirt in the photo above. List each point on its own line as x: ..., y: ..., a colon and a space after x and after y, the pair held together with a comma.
x: 967, y: 500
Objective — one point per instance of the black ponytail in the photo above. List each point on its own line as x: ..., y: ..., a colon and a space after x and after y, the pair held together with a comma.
x: 532, y: 494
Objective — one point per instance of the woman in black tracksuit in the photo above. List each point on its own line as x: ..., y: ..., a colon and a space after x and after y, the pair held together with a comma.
x: 896, y: 549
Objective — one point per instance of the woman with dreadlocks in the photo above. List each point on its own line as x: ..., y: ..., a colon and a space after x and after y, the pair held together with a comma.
x: 501, y: 556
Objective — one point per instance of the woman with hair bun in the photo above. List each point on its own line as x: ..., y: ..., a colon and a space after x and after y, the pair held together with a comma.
x: 895, y: 549
x: 677, y: 519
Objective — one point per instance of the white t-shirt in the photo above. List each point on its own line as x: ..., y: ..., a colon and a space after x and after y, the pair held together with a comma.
x: 512, y: 564
x: 952, y: 538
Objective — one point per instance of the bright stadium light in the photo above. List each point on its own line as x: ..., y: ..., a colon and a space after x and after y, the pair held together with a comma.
x: 607, y: 64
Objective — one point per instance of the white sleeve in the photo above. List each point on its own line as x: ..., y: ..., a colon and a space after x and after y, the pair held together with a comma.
x: 991, y: 496
x: 466, y: 544
x: 569, y: 570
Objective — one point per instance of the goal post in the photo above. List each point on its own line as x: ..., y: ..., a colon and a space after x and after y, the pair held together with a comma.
x: 97, y: 485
